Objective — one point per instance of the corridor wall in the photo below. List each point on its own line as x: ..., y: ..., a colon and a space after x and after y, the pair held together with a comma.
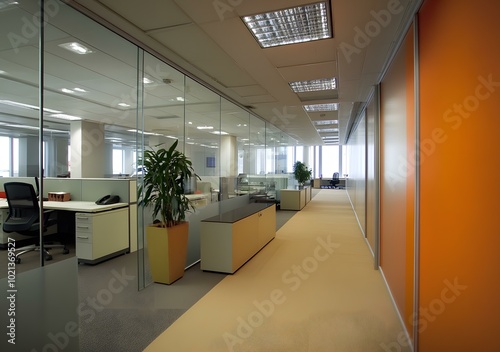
x: 397, y: 175
x: 459, y: 124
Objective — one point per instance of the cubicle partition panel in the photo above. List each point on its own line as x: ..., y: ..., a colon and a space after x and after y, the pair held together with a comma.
x: 70, y: 185
x: 4, y: 180
x: 93, y: 189
x: 84, y: 189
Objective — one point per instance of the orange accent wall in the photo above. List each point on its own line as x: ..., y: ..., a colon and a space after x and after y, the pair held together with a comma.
x: 410, y: 180
x: 397, y: 179
x: 460, y: 183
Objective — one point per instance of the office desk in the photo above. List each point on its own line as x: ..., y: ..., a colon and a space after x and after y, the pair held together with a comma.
x: 101, y: 231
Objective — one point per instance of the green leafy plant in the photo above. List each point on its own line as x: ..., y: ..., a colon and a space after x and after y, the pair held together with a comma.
x: 165, y: 171
x: 301, y: 172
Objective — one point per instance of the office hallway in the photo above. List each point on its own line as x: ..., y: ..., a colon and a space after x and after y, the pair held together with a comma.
x: 313, y: 288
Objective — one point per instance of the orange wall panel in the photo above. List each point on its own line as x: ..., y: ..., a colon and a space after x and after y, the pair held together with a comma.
x: 460, y: 167
x: 410, y: 180
x: 397, y: 175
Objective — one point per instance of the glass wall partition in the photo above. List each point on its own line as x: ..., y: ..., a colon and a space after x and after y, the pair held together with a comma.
x: 160, y: 122
x: 235, y: 130
x: 202, y: 135
x: 90, y: 77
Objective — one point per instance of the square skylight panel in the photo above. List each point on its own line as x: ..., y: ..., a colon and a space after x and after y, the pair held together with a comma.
x: 313, y: 85
x: 290, y: 26
x: 321, y: 107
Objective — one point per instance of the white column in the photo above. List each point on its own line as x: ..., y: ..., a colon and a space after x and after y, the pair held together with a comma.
x: 228, y: 156
x: 87, y: 149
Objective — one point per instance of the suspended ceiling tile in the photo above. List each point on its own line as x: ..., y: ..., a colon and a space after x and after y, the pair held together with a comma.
x: 149, y: 14
x: 308, y: 71
x: 249, y: 91
x: 213, y: 60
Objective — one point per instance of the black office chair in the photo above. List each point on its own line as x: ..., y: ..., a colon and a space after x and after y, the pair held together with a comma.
x: 335, y: 180
x: 24, y: 217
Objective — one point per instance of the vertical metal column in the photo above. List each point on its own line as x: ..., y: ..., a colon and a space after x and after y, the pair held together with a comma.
x: 41, y: 48
x: 377, y: 176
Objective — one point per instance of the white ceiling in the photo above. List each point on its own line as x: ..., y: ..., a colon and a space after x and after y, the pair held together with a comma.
x: 208, y: 39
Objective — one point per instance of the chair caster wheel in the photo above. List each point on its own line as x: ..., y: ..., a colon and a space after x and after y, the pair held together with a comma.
x: 48, y: 257
x: 65, y: 251
x: 18, y: 260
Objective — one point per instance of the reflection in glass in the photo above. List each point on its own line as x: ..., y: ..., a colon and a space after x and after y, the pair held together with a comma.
x: 203, y: 138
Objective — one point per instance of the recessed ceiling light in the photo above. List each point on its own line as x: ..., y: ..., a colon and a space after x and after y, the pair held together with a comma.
x: 292, y: 25
x: 313, y: 85
x: 321, y: 107
x: 205, y: 127
x: 66, y: 90
x: 81, y: 90
x: 327, y: 130
x: 27, y: 106
x: 125, y: 105
x: 6, y: 3
x: 327, y: 138
x: 146, y: 80
x: 66, y: 117
x: 326, y: 122
x: 76, y: 48
x: 219, y: 132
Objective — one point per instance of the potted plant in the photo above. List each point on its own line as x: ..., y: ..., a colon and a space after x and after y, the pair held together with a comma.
x: 301, y: 173
x: 162, y: 187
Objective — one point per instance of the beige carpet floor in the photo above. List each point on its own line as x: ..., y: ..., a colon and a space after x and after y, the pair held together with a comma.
x: 313, y: 288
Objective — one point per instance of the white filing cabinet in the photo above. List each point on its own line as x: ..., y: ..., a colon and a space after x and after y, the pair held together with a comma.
x: 102, y: 235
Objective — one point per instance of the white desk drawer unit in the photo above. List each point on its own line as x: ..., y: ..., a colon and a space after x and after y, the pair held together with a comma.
x: 100, y: 236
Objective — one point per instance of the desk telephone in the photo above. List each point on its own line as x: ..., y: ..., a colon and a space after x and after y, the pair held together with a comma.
x: 108, y: 199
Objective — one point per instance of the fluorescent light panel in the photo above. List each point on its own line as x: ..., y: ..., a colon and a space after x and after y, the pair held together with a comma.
x: 290, y: 26
x: 313, y: 85
x: 219, y: 132
x: 330, y: 137
x: 321, y: 107
x: 66, y: 117
x: 27, y: 106
x: 76, y: 48
x: 6, y: 3
x: 327, y: 130
x: 326, y: 122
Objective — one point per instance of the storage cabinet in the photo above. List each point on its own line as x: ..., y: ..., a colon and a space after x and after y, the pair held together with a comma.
x: 100, y: 236
x: 292, y: 199
x: 229, y: 240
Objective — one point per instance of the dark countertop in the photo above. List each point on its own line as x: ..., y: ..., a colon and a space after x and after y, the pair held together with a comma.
x: 239, y: 213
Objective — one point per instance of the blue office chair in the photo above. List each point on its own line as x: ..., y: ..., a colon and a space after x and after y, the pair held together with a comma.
x: 335, y: 180
x: 24, y: 217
